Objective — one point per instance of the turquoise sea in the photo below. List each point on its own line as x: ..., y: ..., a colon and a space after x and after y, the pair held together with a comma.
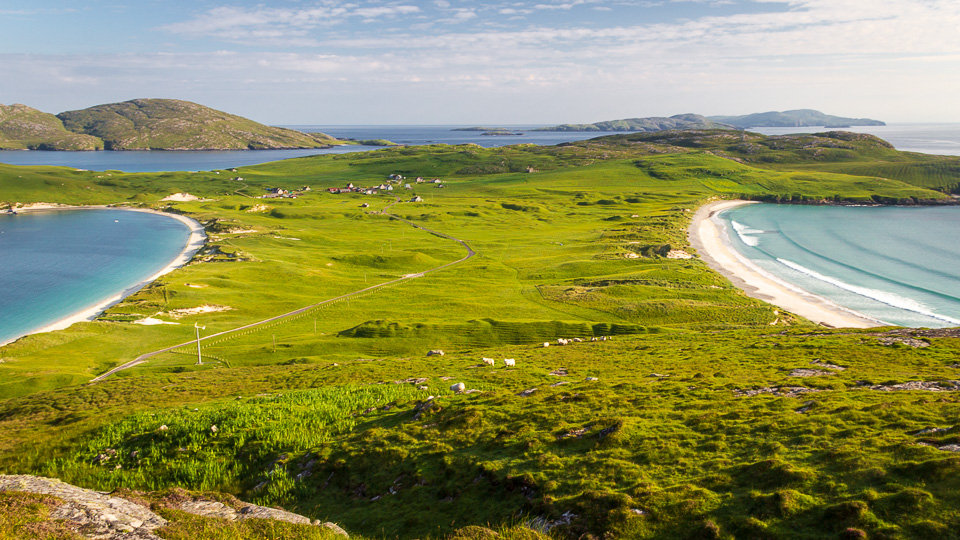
x: 900, y: 265
x: 58, y: 263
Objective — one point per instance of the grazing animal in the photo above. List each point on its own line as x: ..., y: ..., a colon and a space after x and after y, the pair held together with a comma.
x: 459, y: 387
x: 546, y: 343
x: 561, y: 341
x: 489, y: 361
x: 509, y: 362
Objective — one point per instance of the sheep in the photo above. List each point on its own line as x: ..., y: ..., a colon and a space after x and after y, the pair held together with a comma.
x: 577, y: 340
x: 546, y: 344
x: 509, y: 362
x: 458, y: 388
x: 489, y: 361
x: 561, y: 341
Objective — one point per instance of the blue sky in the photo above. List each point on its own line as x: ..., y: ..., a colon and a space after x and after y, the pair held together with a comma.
x: 467, y: 62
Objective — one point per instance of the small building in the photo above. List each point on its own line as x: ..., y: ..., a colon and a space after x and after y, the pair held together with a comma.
x: 436, y: 180
x: 416, y: 199
x: 407, y: 186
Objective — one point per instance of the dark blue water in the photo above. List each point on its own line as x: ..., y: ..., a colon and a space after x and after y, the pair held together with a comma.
x: 166, y: 160
x: 441, y: 134
x: 900, y: 265
x: 58, y: 263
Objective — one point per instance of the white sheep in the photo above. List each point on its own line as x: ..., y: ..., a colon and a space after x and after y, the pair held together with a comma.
x: 489, y: 361
x: 509, y: 362
x: 458, y: 388
x: 546, y: 343
x: 561, y: 341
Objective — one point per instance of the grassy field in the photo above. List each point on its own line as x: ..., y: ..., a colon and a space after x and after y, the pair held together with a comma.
x: 690, y: 421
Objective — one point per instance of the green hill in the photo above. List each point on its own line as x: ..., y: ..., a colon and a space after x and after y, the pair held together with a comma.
x: 169, y: 124
x: 25, y: 128
x: 653, y: 123
x: 795, y: 118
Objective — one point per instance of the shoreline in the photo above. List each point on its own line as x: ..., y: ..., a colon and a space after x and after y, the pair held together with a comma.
x: 708, y: 235
x: 195, y: 241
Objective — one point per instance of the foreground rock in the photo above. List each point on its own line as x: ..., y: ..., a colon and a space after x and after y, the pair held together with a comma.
x: 103, y: 516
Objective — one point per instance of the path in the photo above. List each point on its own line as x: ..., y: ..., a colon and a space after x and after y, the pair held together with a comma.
x: 470, y: 253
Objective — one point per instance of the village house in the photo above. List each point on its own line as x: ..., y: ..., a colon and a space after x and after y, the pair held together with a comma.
x: 416, y: 199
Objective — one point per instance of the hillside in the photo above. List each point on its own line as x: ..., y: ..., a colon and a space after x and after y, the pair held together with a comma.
x: 25, y: 128
x: 679, y: 407
x: 795, y: 118
x: 653, y: 123
x: 169, y: 124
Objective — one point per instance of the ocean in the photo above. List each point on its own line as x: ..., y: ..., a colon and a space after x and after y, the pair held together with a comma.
x: 895, y: 264
x: 58, y: 263
x: 927, y: 138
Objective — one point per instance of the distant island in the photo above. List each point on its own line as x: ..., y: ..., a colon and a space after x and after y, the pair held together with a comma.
x: 652, y: 123
x: 146, y: 124
x: 794, y: 118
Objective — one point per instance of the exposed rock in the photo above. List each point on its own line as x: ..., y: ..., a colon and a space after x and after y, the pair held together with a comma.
x: 779, y: 391
x: 527, y: 393
x: 928, y: 386
x: 435, y: 352
x: 804, y: 372
x: 104, y: 517
x: 825, y: 365
x: 950, y: 448
x: 100, y: 516
x: 562, y: 372
x: 909, y: 341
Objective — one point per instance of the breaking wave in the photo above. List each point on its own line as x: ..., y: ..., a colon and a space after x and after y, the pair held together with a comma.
x: 746, y: 233
x: 883, y: 297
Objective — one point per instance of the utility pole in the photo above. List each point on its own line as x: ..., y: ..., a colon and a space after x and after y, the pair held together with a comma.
x: 198, y: 327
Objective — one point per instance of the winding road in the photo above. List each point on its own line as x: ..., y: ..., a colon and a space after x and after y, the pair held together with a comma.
x: 470, y: 253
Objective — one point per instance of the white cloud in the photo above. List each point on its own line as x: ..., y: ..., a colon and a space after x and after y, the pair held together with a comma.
x: 854, y: 56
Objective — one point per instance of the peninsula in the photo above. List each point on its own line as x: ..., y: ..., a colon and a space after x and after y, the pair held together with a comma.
x: 794, y: 118
x: 653, y: 123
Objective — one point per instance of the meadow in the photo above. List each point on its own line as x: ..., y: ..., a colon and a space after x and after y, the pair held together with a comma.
x: 691, y: 420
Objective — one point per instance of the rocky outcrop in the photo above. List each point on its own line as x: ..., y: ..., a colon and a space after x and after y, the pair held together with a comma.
x: 99, y: 515
x: 103, y: 516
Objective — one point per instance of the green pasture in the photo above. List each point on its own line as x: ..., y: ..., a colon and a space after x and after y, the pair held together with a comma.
x: 648, y: 434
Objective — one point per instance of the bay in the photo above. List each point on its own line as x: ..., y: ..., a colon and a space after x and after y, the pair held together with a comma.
x: 58, y: 263
x: 900, y: 265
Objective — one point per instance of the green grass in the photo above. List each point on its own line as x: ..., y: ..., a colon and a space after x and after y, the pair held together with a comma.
x: 663, y: 445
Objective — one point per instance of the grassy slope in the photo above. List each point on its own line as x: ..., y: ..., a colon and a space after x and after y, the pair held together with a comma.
x: 657, y: 456
x: 168, y: 124
x: 24, y: 128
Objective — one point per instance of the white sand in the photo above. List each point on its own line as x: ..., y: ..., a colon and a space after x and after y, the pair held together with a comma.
x: 708, y: 235
x: 90, y: 313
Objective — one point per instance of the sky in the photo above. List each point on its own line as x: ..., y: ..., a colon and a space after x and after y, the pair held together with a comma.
x: 505, y: 62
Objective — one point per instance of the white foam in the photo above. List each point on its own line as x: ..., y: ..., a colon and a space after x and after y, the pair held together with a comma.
x: 745, y: 232
x: 883, y: 297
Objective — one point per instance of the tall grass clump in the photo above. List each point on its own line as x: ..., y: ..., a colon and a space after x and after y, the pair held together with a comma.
x: 223, y: 446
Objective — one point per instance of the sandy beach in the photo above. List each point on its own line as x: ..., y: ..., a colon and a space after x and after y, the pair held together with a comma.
x: 197, y: 238
x: 708, y: 235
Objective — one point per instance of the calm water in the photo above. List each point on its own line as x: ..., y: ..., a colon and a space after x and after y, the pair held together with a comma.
x: 899, y: 265
x: 166, y: 160
x: 55, y: 264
